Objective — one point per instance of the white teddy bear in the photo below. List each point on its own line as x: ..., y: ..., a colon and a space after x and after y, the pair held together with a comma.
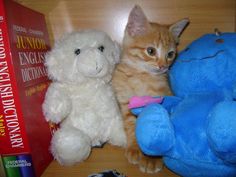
x: 81, y: 97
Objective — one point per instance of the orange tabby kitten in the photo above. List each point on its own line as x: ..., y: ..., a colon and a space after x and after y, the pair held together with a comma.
x: 148, y: 50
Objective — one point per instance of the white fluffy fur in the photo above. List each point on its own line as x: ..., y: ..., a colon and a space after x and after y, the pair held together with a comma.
x: 80, y: 97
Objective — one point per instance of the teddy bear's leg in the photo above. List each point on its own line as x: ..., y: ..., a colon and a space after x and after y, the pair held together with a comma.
x: 117, y: 135
x: 221, y: 130
x: 154, y: 131
x: 70, y: 145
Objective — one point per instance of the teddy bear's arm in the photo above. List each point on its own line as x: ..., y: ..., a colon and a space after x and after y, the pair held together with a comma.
x: 57, y: 104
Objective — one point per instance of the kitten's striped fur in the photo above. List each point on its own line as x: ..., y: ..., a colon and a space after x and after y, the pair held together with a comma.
x: 148, y: 50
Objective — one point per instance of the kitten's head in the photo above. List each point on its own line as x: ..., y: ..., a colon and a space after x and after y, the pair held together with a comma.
x: 151, y: 46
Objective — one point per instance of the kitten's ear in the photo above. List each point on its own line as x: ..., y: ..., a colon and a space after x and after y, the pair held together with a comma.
x: 137, y: 23
x: 177, y: 28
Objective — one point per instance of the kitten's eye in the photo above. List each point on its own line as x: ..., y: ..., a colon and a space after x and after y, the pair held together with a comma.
x: 170, y: 55
x: 101, y: 48
x: 151, y: 51
x: 77, y: 51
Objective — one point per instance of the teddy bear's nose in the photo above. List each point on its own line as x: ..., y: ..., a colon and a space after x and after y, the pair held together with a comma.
x: 91, y: 62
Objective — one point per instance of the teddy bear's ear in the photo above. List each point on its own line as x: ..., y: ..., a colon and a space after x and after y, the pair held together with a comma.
x: 117, y: 52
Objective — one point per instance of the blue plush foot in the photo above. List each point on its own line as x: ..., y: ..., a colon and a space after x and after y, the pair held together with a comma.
x: 222, y: 130
x: 154, y: 131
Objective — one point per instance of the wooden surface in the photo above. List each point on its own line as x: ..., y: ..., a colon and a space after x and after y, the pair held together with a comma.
x: 235, y: 18
x: 111, y: 16
x: 108, y: 157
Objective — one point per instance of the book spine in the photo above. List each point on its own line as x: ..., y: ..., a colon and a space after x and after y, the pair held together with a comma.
x: 10, y: 169
x: 2, y: 170
x: 18, y: 166
x: 13, y: 137
x: 26, y: 165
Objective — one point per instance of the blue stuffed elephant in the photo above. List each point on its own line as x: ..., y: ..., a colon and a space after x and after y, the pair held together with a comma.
x: 195, y: 130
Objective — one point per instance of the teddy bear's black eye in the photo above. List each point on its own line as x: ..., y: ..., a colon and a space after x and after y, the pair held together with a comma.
x: 77, y: 51
x: 101, y: 48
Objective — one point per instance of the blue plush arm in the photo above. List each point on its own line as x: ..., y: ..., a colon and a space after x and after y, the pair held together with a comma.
x: 154, y: 131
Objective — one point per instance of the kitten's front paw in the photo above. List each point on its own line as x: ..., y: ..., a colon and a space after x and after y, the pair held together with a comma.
x: 150, y: 165
x: 147, y: 164
x: 133, y: 154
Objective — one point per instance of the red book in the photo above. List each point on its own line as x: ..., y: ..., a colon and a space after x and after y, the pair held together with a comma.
x: 24, y: 134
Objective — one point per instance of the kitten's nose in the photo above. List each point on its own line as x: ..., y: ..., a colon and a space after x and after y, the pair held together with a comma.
x: 161, y: 66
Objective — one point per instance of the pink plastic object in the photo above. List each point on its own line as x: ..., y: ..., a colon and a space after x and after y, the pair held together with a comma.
x: 139, y: 101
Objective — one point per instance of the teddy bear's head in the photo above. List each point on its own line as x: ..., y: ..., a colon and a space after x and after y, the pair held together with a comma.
x: 83, y: 55
x: 208, y: 64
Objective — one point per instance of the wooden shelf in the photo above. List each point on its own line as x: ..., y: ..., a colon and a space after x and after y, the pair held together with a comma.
x: 108, y: 157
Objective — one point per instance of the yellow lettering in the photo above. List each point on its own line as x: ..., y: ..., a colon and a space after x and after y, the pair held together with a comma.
x: 20, y: 42
x: 26, y: 42
x: 2, y: 127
